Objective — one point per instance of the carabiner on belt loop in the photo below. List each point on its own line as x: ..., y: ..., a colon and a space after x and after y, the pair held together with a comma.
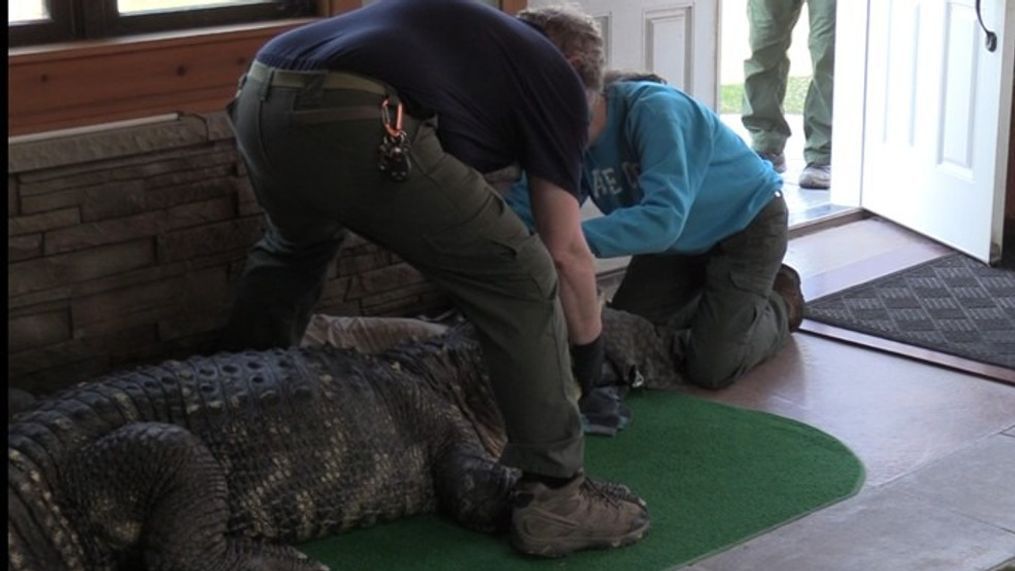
x: 393, y: 152
x: 394, y: 129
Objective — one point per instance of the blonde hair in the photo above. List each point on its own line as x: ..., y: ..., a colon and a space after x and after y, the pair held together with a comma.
x: 576, y: 35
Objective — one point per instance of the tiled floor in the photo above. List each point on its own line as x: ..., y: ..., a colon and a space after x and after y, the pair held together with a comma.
x: 938, y: 445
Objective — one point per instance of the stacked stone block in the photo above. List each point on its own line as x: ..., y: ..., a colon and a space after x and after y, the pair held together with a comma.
x: 124, y: 246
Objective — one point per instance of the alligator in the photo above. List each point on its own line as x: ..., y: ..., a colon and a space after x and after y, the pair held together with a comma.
x: 222, y: 462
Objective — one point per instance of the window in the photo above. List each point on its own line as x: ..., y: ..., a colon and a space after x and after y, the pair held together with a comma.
x: 46, y: 21
x: 26, y: 11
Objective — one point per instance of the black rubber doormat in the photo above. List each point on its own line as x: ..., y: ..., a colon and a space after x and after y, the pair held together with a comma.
x: 953, y: 304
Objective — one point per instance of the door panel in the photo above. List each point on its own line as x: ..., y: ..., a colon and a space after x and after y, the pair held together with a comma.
x: 937, y: 120
x: 667, y: 45
x: 963, y: 51
x: 677, y: 39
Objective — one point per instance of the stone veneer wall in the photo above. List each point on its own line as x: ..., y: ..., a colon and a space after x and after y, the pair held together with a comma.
x: 123, y: 246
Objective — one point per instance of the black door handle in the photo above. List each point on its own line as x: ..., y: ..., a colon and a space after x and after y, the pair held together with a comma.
x: 991, y: 39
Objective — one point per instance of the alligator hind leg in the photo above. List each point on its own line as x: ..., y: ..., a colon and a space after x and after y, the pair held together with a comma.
x: 156, y: 487
x: 474, y: 489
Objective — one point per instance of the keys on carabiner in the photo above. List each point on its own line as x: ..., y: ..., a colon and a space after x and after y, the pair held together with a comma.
x: 393, y: 152
x: 393, y: 157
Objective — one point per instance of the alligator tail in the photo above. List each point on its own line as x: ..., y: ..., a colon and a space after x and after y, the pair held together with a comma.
x: 17, y: 401
x: 39, y: 537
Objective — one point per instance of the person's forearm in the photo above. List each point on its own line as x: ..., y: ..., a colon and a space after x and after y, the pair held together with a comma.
x: 558, y: 222
x: 578, y: 295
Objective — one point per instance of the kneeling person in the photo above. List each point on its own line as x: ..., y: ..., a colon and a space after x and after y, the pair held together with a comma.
x: 705, y: 221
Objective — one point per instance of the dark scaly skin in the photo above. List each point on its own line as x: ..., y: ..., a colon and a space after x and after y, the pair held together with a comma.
x: 639, y: 353
x: 216, y: 463
x: 201, y: 464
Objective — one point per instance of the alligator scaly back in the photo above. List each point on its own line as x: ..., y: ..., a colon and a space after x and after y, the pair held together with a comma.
x: 215, y: 462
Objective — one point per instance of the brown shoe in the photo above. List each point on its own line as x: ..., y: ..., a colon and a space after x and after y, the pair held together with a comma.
x: 787, y: 285
x: 778, y: 160
x: 582, y: 514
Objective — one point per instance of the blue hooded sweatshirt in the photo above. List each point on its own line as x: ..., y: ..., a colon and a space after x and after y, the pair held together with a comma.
x: 668, y: 175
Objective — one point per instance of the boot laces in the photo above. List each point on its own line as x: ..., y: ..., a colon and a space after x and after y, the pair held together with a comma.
x: 604, y: 492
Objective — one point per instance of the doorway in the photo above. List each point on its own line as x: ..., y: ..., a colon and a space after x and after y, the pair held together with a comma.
x: 807, y: 206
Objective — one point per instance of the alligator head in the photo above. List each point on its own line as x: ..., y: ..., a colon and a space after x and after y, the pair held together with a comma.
x: 638, y: 354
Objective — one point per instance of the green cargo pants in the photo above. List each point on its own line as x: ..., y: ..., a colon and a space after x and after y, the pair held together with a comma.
x: 312, y: 156
x: 766, y: 72
x: 718, y: 308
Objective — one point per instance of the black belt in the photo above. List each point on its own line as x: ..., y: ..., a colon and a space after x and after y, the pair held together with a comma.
x: 328, y: 79
x: 325, y: 80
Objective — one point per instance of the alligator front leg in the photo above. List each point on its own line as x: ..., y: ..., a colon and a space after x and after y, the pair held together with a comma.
x: 156, y: 487
x: 474, y: 489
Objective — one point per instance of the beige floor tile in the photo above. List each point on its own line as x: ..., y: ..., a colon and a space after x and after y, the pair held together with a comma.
x: 879, y: 530
x: 977, y: 481
x: 896, y: 414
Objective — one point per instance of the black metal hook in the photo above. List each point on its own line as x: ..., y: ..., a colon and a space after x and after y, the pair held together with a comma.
x: 991, y: 39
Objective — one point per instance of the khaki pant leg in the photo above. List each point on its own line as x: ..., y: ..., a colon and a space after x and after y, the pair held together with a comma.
x: 766, y: 71
x: 818, y: 104
x: 740, y: 321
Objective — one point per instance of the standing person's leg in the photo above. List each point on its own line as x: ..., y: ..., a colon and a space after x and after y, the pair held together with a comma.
x: 766, y: 71
x: 280, y: 284
x: 285, y: 270
x: 740, y: 320
x: 448, y: 222
x: 818, y: 105
x: 451, y: 225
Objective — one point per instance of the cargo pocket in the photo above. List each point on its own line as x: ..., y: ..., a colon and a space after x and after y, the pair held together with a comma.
x: 496, y: 247
x: 750, y: 282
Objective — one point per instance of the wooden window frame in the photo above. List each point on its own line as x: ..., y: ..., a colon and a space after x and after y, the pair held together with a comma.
x: 69, y: 20
x: 59, y: 27
x: 76, y: 84
x: 106, y: 20
x: 62, y: 86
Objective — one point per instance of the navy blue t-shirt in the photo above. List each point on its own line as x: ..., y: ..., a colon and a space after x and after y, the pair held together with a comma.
x: 502, y: 92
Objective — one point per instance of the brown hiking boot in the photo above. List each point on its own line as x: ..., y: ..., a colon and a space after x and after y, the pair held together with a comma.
x: 787, y: 285
x: 582, y: 514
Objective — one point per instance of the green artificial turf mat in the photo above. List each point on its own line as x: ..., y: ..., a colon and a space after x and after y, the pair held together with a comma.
x: 713, y: 476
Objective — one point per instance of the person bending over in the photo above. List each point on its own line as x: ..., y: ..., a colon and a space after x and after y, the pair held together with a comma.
x: 381, y: 121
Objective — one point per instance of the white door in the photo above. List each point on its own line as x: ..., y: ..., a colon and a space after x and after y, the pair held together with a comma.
x: 937, y: 117
x: 676, y: 39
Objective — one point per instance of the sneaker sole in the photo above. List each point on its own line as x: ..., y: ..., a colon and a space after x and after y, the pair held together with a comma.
x: 556, y: 550
x: 815, y: 186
